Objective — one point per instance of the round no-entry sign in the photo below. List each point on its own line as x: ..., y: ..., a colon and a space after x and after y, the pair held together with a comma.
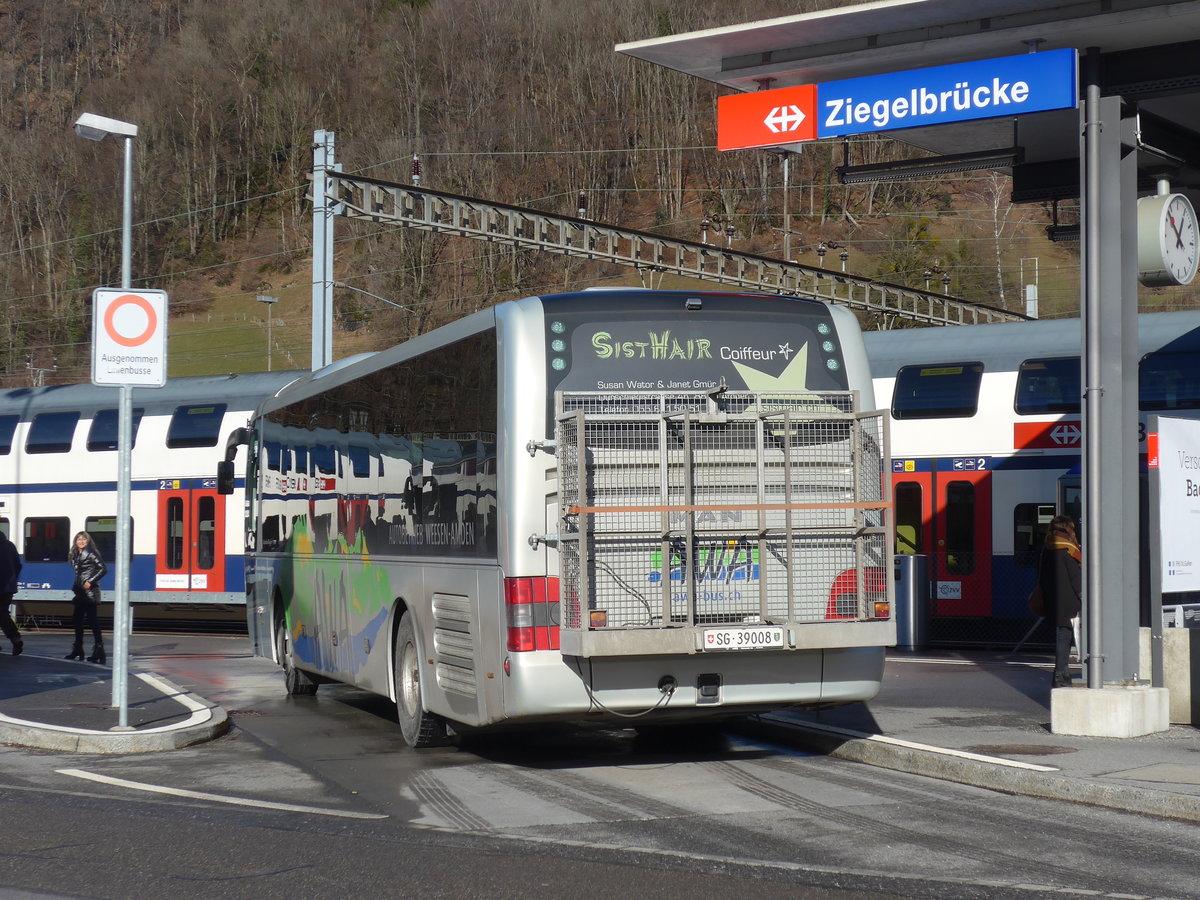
x: 129, y: 337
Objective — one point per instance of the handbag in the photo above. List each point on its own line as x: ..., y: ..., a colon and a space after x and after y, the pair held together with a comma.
x: 1037, y: 602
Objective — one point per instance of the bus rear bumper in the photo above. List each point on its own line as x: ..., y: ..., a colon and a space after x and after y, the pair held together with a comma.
x: 546, y: 684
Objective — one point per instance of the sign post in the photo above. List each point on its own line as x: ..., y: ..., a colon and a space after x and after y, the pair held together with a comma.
x: 129, y: 347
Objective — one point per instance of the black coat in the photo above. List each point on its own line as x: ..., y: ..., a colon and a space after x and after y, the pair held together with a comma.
x: 1062, y: 585
x: 88, y: 567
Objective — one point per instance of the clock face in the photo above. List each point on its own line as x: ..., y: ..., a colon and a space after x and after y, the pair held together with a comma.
x: 1179, y: 250
x: 1166, y: 240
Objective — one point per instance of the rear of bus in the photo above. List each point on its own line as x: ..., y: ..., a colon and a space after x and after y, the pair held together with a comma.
x: 700, y: 526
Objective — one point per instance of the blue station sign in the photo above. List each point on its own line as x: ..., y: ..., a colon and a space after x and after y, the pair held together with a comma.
x: 983, y: 89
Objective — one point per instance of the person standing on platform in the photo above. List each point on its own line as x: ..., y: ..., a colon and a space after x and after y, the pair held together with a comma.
x: 1061, y: 579
x: 89, y: 569
x: 10, y: 568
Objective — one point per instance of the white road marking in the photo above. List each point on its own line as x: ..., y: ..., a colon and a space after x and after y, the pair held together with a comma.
x: 217, y: 798
x: 912, y: 745
x: 199, y: 712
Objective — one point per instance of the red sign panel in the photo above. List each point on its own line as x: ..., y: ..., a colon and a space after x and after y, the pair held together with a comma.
x: 1067, y: 434
x: 767, y: 118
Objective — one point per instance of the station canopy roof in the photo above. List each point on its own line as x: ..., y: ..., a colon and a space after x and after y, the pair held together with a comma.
x: 1149, y: 52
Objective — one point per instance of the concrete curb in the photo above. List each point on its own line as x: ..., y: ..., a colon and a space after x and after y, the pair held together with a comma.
x: 997, y: 777
x: 207, y: 722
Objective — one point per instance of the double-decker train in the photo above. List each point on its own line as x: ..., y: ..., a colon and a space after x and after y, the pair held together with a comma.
x: 985, y: 430
x: 986, y: 439
x: 58, y: 476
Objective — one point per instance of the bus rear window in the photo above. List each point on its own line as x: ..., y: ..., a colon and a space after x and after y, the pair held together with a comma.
x: 51, y: 432
x: 1048, y: 386
x: 947, y: 391
x: 196, y: 426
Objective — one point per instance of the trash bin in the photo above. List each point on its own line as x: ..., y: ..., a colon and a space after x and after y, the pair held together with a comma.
x: 912, y: 602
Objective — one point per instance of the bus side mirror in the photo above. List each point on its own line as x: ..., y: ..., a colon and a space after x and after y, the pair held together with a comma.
x: 225, y: 477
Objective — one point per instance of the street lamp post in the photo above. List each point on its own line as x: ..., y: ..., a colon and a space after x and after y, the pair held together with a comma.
x: 97, y: 128
x: 270, y: 301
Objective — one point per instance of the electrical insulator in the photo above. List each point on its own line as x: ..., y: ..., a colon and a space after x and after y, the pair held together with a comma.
x: 582, y: 205
x: 416, y: 170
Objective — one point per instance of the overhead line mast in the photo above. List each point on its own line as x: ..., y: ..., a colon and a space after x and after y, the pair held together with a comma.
x: 412, y: 206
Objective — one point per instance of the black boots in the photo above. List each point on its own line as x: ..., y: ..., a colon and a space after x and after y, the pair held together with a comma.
x: 97, y: 652
x: 18, y: 646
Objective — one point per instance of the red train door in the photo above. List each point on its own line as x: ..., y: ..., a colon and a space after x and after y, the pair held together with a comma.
x: 947, y: 516
x: 191, y: 538
x: 962, y: 531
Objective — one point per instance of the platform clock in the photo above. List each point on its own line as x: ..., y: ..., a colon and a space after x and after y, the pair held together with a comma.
x: 1167, y: 247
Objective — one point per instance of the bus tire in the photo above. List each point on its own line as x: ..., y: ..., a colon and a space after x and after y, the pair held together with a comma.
x: 419, y: 727
x: 298, y: 683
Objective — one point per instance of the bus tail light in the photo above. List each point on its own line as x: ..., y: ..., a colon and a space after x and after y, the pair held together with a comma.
x: 531, y: 613
x: 843, y: 596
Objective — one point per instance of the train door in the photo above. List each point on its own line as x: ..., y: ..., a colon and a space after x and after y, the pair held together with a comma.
x: 191, y: 537
x: 961, y: 565
x: 946, y: 515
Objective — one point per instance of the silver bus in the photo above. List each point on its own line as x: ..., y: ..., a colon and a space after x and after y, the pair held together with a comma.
x: 637, y: 506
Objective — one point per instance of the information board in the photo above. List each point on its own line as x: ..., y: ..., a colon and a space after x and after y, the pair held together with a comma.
x: 980, y: 89
x: 1177, y: 459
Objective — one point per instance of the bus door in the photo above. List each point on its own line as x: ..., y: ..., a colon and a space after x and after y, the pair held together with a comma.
x: 191, y: 536
x: 961, y: 558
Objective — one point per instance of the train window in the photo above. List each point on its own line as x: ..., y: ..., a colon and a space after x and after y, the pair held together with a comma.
x: 960, y: 528
x: 8, y: 424
x: 51, y: 432
x: 272, y: 451
x: 1048, y: 386
x: 1030, y: 522
x: 4, y: 527
x: 323, y: 460
x: 47, y: 539
x: 103, y: 433
x: 937, y: 392
x: 196, y: 426
x: 360, y: 461
x: 174, y: 533
x: 206, y: 527
x: 1169, y: 378
x: 103, y: 530
x: 908, y: 517
x: 301, y: 459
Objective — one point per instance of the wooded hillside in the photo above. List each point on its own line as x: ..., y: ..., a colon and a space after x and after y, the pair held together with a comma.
x: 521, y: 101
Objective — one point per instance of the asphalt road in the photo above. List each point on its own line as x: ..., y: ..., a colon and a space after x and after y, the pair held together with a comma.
x: 319, y: 797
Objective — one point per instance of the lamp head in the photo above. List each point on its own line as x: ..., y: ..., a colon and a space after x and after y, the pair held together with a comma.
x: 97, y: 128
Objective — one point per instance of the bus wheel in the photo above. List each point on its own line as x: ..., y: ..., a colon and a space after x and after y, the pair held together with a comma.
x: 296, y: 681
x: 419, y: 727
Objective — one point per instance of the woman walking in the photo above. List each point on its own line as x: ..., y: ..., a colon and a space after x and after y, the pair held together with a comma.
x: 89, y: 569
x: 1060, y: 578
